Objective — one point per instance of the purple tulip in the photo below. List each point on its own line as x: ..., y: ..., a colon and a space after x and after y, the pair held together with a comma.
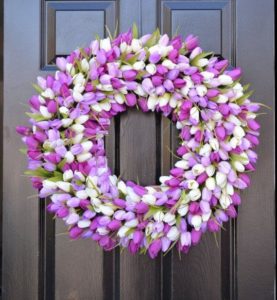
x: 236, y: 199
x: 235, y: 73
x: 213, y: 225
x: 131, y: 100
x: 154, y: 57
x: 220, y: 133
x: 155, y: 248
x: 129, y: 75
x: 252, y: 124
x: 142, y: 102
x: 191, y: 42
x: 179, y: 83
x: 114, y: 225
x: 231, y: 211
x: 133, y: 247
x: 23, y: 130
x: 195, y: 236
x: 137, y: 237
x: 75, y: 232
x: 141, y: 208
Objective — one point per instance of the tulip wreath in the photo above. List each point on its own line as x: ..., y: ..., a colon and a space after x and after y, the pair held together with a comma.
x: 71, y: 115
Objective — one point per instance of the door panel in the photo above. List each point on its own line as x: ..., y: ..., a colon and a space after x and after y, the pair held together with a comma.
x: 39, y: 261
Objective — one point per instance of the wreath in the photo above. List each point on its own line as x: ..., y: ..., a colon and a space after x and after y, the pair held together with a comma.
x: 71, y: 113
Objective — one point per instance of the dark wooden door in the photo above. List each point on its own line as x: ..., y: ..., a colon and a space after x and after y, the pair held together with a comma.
x: 39, y: 261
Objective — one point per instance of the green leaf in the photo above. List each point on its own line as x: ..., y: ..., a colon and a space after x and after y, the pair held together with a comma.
x: 241, y: 100
x: 153, y: 39
x: 195, y: 60
x: 246, y: 87
x: 135, y: 31
x: 37, y: 88
x: 39, y: 172
x: 23, y: 150
x: 132, y: 59
x: 152, y: 210
x: 62, y: 163
x: 36, y: 117
x: 239, y: 158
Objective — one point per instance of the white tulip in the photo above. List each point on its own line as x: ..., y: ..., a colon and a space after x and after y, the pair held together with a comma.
x: 234, y: 142
x: 84, y: 223
x: 214, y: 144
x: 77, y: 96
x: 210, y: 183
x: 164, y: 99
x: 78, y: 128
x: 106, y: 210
x: 229, y: 189
x: 69, y: 157
x: 82, y: 119
x: 139, y: 65
x: 205, y: 150
x: 183, y: 164
x: 84, y: 157
x: 149, y: 229
x: 48, y: 93
x: 206, y: 216
x: 151, y: 69
x: 173, y: 102
x: 238, y: 166
x: 158, y: 216
x: 238, y: 132
x: 201, y: 90
x: 233, y: 119
x: 225, y: 201
x: 169, y: 218
x: 225, y: 79
x: 44, y: 112
x: 67, y: 175
x: 65, y: 186
x: 173, y: 233
x: 140, y: 91
x: 169, y: 64
x: 87, y: 145
x: 106, y: 44
x: 198, y: 169
x: 192, y: 184
x: 84, y: 65
x: 122, y: 187
x: 194, y: 113
x: 48, y: 184
x: 79, y: 80
x: 149, y: 199
x: 77, y: 138
x: 210, y: 170
x: 91, y: 193
x: 202, y: 62
x: 131, y: 223
x: 82, y: 194
x: 196, y: 222
x: 136, y: 45
x: 70, y: 69
x: 194, y: 194
x: 102, y: 230
x: 66, y: 122
x: 152, y: 102
x: 185, y: 239
x: 221, y: 179
x: 183, y: 209
x: 222, y: 99
x: 119, y: 98
x: 64, y: 110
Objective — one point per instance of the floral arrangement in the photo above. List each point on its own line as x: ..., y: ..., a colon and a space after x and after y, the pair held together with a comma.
x: 71, y: 115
